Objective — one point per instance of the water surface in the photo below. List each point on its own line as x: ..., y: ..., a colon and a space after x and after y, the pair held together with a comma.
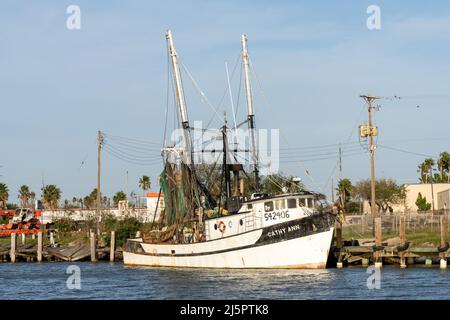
x: 116, y: 281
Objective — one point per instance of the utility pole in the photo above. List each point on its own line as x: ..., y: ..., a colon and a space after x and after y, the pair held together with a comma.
x: 432, y: 192
x: 332, y: 189
x: 126, y: 185
x: 371, y: 131
x: 99, y: 148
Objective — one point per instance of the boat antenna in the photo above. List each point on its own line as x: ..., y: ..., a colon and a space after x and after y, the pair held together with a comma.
x: 250, y: 113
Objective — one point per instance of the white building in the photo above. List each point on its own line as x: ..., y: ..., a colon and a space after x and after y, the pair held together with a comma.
x: 152, y: 204
x: 440, y: 191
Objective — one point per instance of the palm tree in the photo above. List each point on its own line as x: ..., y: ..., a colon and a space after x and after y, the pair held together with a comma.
x: 444, y: 165
x: 51, y: 195
x: 119, y: 196
x: 3, y: 195
x: 24, y: 195
x: 145, y: 184
x: 32, y: 196
x: 424, y: 169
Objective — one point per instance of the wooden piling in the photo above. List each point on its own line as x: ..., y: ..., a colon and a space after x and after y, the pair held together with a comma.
x: 112, y: 246
x: 12, y: 251
x: 93, y: 247
x: 402, y: 239
x: 444, y: 228
x: 378, y: 231
x: 338, y: 234
x: 362, y: 224
x: 39, y: 247
x: 378, y: 238
x: 23, y: 238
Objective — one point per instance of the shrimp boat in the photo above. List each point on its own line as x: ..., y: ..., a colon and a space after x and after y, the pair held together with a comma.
x: 229, y: 228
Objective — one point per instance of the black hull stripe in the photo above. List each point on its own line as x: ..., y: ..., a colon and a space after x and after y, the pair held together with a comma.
x: 273, y: 234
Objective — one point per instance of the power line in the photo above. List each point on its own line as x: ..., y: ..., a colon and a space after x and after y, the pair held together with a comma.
x: 409, y: 152
x: 325, y: 158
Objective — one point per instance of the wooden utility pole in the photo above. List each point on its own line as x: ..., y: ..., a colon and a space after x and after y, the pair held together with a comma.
x: 371, y: 131
x: 99, y: 148
x: 432, y: 191
x: 332, y: 190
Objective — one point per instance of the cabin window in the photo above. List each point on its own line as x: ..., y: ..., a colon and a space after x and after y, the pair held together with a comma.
x: 249, y: 206
x: 280, y: 204
x: 268, y: 206
x: 291, y: 203
x: 301, y: 202
x: 310, y: 202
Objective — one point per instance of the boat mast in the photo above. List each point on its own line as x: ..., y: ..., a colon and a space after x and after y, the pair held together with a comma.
x: 250, y: 113
x: 180, y: 96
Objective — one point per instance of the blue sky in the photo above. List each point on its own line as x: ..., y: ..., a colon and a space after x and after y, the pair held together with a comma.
x: 60, y: 86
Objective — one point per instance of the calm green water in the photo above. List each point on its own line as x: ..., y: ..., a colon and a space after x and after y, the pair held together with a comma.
x: 115, y: 281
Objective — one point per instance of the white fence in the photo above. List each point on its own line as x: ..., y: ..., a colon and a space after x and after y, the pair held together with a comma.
x: 143, y: 215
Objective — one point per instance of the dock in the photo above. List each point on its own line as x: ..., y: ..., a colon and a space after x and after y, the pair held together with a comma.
x: 397, y: 250
x: 38, y: 252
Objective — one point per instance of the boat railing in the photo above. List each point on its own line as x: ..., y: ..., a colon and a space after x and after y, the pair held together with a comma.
x: 252, y: 221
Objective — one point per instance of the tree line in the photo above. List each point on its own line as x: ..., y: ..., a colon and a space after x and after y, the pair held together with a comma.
x: 51, y: 197
x: 435, y: 171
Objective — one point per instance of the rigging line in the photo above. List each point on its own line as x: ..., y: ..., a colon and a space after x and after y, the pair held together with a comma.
x: 311, y: 178
x: 202, y: 94
x: 259, y: 84
x: 212, y: 171
x: 275, y: 182
x: 231, y: 96
x: 239, y: 89
x: 224, y: 93
x: 409, y: 152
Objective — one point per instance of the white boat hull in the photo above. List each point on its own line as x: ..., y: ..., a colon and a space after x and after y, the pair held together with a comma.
x: 241, y: 251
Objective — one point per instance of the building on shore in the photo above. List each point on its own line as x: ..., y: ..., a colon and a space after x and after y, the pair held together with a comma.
x: 437, y: 198
x: 151, y: 212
